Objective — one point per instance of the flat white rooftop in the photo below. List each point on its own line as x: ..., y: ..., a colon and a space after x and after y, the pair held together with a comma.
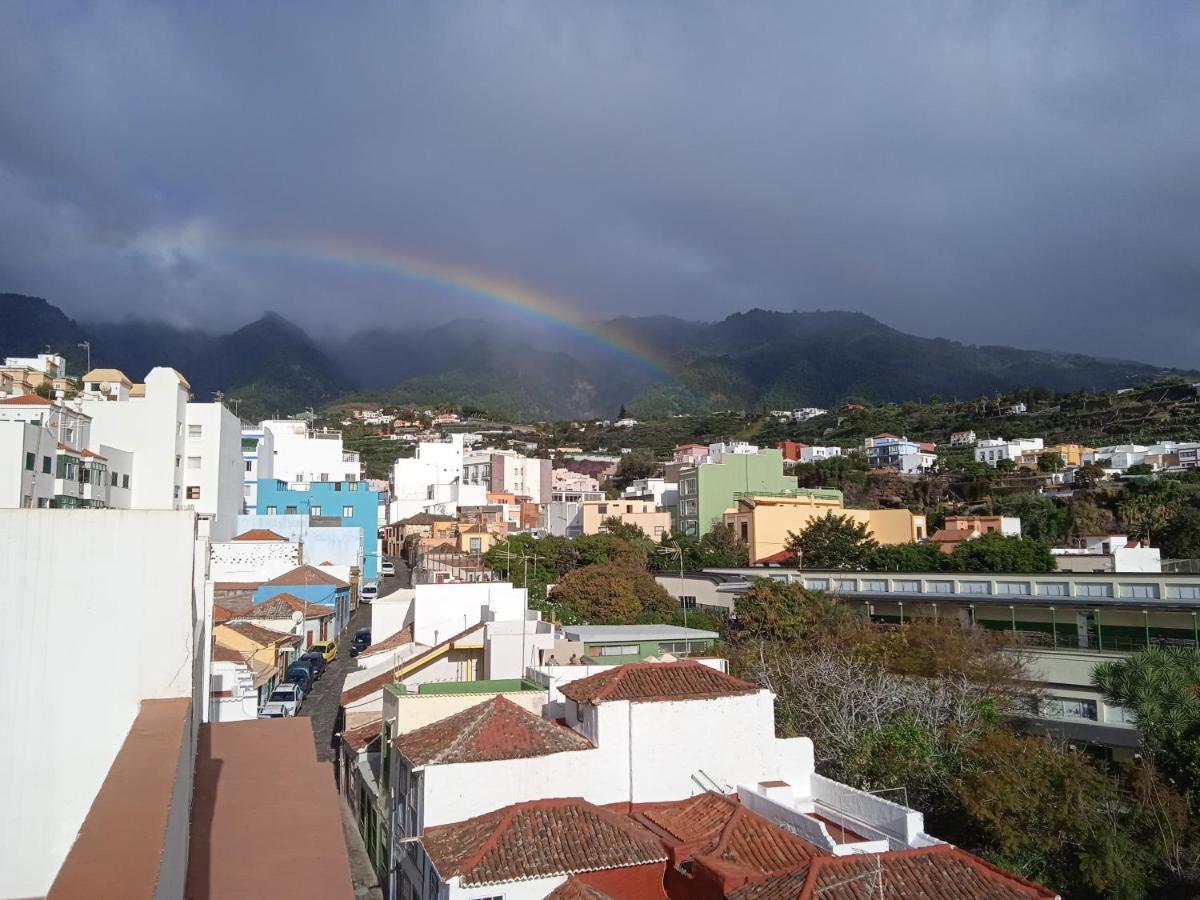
x: 602, y: 633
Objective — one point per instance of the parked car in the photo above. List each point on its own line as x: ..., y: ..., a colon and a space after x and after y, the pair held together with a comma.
x: 287, y: 695
x: 318, y: 662
x: 387, y: 569
x: 301, y: 673
x: 275, y: 711
x: 361, y: 641
x: 368, y: 593
x: 327, y: 649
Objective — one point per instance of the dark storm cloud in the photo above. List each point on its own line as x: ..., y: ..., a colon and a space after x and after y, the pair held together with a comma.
x: 1001, y: 173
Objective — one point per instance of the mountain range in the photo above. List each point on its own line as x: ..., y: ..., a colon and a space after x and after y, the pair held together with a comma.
x: 541, y: 370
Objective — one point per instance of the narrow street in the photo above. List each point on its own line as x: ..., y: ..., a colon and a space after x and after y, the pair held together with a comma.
x: 321, y: 707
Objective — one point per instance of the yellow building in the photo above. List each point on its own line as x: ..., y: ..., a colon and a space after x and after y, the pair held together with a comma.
x: 1072, y: 455
x: 764, y: 521
x: 475, y: 539
x: 271, y: 648
x: 642, y: 513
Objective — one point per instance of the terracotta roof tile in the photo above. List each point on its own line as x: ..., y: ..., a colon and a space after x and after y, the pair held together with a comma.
x: 304, y: 575
x: 260, y: 534
x: 371, y: 685
x: 642, y: 682
x: 399, y: 639
x: 26, y: 400
x: 697, y: 817
x: 223, y: 653
x: 491, y: 730
x: 424, y: 518
x: 249, y: 586
x: 364, y: 736
x: 282, y: 606
x: 263, y: 636
x: 574, y: 889
x: 931, y: 872
x: 221, y: 614
x: 539, y: 839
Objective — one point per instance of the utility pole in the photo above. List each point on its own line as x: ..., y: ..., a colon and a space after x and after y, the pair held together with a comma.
x: 86, y: 345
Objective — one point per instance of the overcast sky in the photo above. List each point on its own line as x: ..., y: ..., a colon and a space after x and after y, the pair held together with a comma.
x: 1023, y: 173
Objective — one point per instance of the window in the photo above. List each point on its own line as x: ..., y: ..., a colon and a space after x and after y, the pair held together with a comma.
x: 687, y: 602
x: 114, y: 480
x: 249, y: 465
x: 876, y: 585
x: 1183, y: 592
x: 124, y: 481
x: 47, y: 465
x: 976, y: 587
x: 353, y: 484
x: 658, y: 530
x: 347, y: 512
x: 602, y: 509
x: 193, y: 492
x: 617, y: 650
x: 1093, y: 590
x: 195, y: 431
x: 476, y: 545
x: 939, y: 587
x: 1140, y: 591
x: 817, y: 584
x: 1069, y: 708
x: 845, y: 584
x: 290, y: 510
x: 30, y: 461
x: 272, y: 510
x: 1120, y: 715
x: 1020, y: 588
x: 906, y: 586
x: 681, y: 646
x: 1053, y: 589
x: 193, y: 462
x: 315, y: 511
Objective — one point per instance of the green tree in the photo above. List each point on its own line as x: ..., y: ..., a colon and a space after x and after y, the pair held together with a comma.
x: 832, y: 542
x: 599, y: 549
x: 774, y: 611
x: 1051, y: 462
x: 612, y: 594
x: 908, y: 557
x: 721, y: 548
x: 1041, y: 517
x: 1005, y: 465
x: 1140, y: 469
x: 1003, y: 553
x: 1089, y: 475
x: 1146, y: 515
x: 1181, y: 537
x: 1162, y: 688
x: 634, y: 465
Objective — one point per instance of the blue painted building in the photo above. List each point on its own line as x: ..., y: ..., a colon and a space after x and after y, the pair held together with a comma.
x: 351, y: 501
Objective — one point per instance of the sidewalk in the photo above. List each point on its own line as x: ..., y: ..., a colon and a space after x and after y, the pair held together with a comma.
x: 366, y: 883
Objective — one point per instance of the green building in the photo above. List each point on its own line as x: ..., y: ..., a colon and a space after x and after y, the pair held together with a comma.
x: 707, y: 490
x: 620, y: 644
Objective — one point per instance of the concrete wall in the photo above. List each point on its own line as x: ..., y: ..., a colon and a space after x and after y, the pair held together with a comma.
x: 641, y: 513
x: 20, y: 487
x: 252, y: 560
x: 300, y: 455
x: 219, y: 478
x: 116, y: 579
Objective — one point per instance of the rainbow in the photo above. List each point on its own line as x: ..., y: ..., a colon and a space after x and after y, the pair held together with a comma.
x: 459, y: 279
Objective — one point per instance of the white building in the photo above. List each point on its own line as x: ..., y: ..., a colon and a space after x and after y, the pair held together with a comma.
x: 432, y: 481
x: 917, y: 463
x: 962, y: 438
x: 1108, y: 553
x: 213, y: 477
x: 258, y: 461
x: 812, y: 454
x: 506, y: 471
x: 302, y: 454
x: 715, y: 451
x: 661, y: 491
x: 99, y: 578
x: 993, y: 450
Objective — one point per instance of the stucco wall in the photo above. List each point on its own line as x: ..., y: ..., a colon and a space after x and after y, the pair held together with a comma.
x: 118, y: 579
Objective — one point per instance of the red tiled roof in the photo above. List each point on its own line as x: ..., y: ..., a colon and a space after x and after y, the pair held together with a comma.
x: 399, y: 639
x: 781, y: 557
x: 264, y: 636
x: 364, y: 736
x: 260, y: 534
x: 221, y: 614
x: 933, y: 872
x: 250, y: 586
x: 91, y: 455
x: 574, y: 889
x: 62, y: 446
x: 491, y: 730
x: 694, y: 818
x: 539, y: 839
x: 951, y: 535
x: 223, y: 653
x: 640, y: 682
x: 26, y: 400
x: 424, y: 518
x: 304, y: 575
x: 371, y: 685
x: 282, y: 606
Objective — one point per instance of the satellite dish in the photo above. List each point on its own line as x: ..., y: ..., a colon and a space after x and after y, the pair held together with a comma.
x: 297, y: 617
x: 104, y: 387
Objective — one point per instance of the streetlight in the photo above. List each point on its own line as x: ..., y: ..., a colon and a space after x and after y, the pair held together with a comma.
x: 87, y: 345
x: 674, y: 550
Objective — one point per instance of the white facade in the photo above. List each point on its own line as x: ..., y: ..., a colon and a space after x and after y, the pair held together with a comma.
x: 917, y: 463
x: 992, y: 450
x: 563, y: 518
x: 128, y: 581
x: 27, y: 454
x: 506, y: 471
x: 258, y: 461
x: 213, y: 466
x: 432, y: 481
x: 715, y: 451
x: 302, y: 455
x: 664, y: 493
x: 812, y: 454
x: 252, y: 561
x: 962, y: 438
